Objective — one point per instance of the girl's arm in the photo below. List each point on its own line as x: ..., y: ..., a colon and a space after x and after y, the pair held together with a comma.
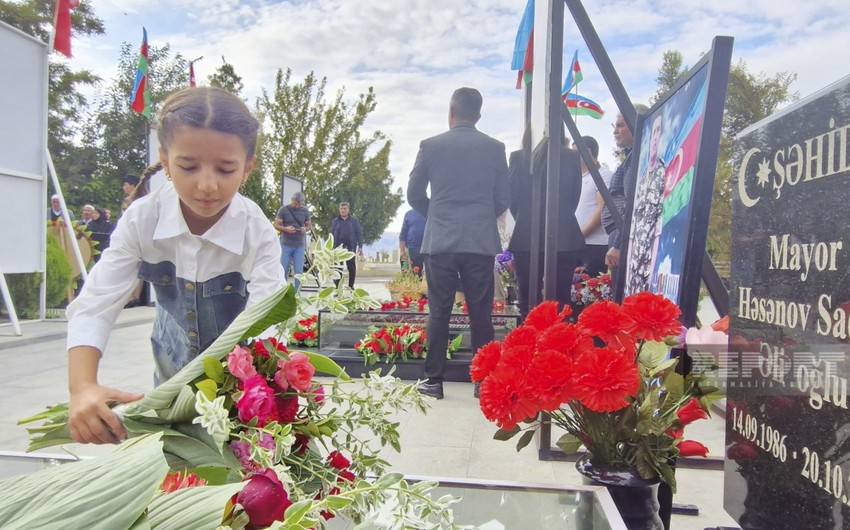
x: 89, y: 417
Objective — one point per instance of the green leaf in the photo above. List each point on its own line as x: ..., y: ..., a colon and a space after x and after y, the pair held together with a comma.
x: 326, y: 292
x: 666, y: 365
x: 326, y: 365
x: 336, y: 502
x: 524, y: 440
x: 297, y: 511
x: 653, y: 353
x: 569, y: 444
x: 198, y: 507
x: 506, y: 434
x: 214, y: 370
x: 208, y: 388
x: 454, y: 345
x: 113, y: 490
x: 390, y: 479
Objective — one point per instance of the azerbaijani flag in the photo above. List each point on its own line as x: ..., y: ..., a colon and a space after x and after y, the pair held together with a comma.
x: 62, y: 26
x: 523, y: 58
x: 574, y: 75
x: 581, y: 106
x: 140, y: 98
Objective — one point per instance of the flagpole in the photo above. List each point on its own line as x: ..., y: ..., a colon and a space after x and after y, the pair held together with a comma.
x: 53, y: 32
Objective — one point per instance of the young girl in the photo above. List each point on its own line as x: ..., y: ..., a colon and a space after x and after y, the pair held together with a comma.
x: 207, y: 250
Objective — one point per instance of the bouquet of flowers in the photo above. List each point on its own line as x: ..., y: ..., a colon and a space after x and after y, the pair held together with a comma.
x: 504, y: 266
x: 587, y: 290
x: 260, y: 442
x: 606, y: 380
x: 397, y: 341
x: 407, y: 283
x: 305, y: 332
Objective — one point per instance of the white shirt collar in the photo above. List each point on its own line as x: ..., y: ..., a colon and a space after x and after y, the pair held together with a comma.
x: 228, y: 232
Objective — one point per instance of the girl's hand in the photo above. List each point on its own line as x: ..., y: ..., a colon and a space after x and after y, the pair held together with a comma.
x: 91, y: 420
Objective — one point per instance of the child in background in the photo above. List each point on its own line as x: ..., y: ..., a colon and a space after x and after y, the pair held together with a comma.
x: 208, y: 251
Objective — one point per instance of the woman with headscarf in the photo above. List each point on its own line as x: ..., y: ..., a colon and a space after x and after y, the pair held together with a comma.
x: 101, y: 230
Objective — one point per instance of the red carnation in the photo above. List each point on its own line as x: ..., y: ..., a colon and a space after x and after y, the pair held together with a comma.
x: 550, y: 378
x: 692, y: 448
x: 287, y: 408
x: 260, y: 349
x: 338, y: 461
x: 604, y: 319
x: 651, y: 316
x: 546, y: 314
x: 346, y: 474
x: 524, y: 336
x: 565, y: 338
x: 607, y: 378
x: 692, y: 411
x: 505, y: 398
x: 485, y: 361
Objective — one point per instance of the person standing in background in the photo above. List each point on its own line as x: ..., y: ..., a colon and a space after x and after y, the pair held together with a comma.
x: 101, y: 231
x: 293, y: 222
x: 589, y: 213
x: 468, y: 176
x: 55, y: 212
x: 348, y: 233
x: 88, y: 214
x: 128, y: 186
x: 410, y: 240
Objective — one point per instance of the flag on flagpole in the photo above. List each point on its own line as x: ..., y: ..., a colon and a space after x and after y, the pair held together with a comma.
x: 574, y: 75
x: 192, y: 73
x: 582, y: 106
x: 140, y: 98
x: 62, y: 26
x: 523, y: 57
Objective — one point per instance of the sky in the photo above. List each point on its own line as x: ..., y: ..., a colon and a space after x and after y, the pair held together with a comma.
x: 416, y: 52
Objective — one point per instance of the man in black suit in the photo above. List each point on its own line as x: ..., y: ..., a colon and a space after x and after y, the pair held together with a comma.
x: 468, y: 175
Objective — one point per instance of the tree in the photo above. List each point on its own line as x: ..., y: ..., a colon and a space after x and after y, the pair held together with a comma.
x: 669, y: 74
x: 320, y: 142
x: 749, y: 98
x: 115, y: 132
x: 225, y: 78
x: 65, y: 102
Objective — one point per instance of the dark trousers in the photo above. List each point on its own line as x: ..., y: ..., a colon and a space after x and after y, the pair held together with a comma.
x: 352, y: 271
x: 566, y: 266
x: 476, y: 273
x: 593, y: 259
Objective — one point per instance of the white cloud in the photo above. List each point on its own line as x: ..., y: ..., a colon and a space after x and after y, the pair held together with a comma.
x: 415, y: 52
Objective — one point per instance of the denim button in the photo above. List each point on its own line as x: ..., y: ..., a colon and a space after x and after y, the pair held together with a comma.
x: 193, y: 334
x: 193, y: 349
x: 165, y: 279
x: 191, y: 314
x: 228, y: 288
x: 190, y: 286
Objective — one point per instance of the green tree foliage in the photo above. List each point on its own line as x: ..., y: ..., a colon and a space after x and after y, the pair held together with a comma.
x: 319, y: 140
x: 116, y: 134
x: 24, y: 288
x: 225, y: 77
x: 65, y: 101
x: 750, y: 98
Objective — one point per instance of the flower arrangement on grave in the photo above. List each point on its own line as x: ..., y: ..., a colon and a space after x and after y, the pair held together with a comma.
x: 587, y: 290
x: 498, y: 307
x: 392, y: 343
x: 407, y: 283
x: 606, y: 380
x: 505, y: 268
x: 305, y: 332
x: 405, y: 304
x: 260, y: 441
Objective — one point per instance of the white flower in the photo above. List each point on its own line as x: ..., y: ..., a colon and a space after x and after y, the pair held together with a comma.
x: 212, y: 416
x: 705, y: 337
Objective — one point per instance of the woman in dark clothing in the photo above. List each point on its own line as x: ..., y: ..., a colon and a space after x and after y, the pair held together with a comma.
x: 101, y: 230
x: 570, y: 240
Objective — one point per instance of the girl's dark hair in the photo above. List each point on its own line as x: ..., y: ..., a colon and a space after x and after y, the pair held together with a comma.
x: 144, y: 185
x: 207, y: 108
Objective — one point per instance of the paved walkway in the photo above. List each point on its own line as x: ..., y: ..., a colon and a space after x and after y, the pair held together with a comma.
x: 452, y: 440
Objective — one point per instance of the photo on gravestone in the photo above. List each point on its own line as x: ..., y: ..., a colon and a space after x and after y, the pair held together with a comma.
x: 675, y: 159
x: 787, y: 424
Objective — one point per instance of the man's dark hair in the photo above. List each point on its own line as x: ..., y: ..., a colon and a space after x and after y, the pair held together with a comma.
x: 466, y: 103
x: 592, y: 145
x: 132, y: 180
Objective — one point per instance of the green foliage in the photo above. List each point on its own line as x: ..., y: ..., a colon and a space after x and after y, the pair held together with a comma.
x: 319, y: 140
x: 24, y: 288
x: 225, y: 77
x: 750, y: 98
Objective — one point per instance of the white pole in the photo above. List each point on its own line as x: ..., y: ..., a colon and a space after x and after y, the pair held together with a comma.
x: 72, y: 234
x: 7, y: 298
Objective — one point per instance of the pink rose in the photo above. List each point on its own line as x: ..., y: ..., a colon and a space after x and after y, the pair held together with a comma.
x: 257, y: 401
x: 242, y: 450
x: 264, y: 499
x: 240, y: 362
x: 319, y: 394
x: 297, y: 372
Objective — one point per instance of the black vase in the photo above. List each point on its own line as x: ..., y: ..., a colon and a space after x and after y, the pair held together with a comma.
x: 636, y: 499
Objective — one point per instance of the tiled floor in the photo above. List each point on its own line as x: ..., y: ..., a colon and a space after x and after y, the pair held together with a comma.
x: 452, y: 440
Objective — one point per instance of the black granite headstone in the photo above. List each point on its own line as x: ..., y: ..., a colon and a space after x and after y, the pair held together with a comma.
x: 788, y: 423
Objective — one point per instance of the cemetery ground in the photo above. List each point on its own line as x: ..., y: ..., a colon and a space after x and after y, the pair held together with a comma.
x: 452, y: 440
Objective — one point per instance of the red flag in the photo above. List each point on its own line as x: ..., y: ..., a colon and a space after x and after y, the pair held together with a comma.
x: 62, y: 26
x: 192, y: 74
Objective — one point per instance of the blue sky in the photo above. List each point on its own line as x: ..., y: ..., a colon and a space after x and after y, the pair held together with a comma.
x: 416, y: 52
